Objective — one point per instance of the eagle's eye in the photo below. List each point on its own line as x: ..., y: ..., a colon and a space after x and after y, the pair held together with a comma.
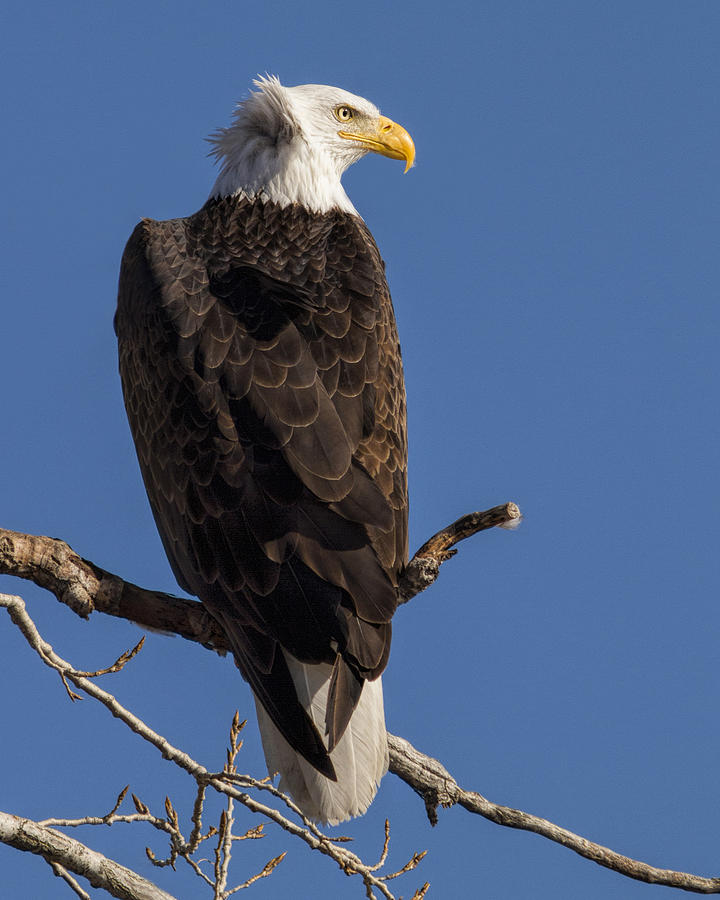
x: 344, y: 113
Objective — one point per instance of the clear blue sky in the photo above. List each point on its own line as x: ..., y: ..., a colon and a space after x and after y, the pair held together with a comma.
x: 555, y: 269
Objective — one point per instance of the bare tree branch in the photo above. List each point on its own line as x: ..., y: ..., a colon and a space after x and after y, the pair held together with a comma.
x: 424, y: 567
x: 221, y: 782
x: 437, y: 787
x: 50, y: 563
x: 117, y: 880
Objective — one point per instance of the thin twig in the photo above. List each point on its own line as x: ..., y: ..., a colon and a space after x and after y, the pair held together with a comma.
x: 267, y: 869
x: 196, y: 835
x: 63, y: 873
x: 119, y: 663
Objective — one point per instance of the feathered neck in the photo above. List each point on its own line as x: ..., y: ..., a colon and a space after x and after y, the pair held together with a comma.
x: 265, y: 155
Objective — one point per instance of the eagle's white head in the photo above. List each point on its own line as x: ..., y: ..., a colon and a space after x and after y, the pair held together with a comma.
x: 292, y: 144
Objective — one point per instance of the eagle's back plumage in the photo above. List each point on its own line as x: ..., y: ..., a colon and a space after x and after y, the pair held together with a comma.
x: 263, y: 383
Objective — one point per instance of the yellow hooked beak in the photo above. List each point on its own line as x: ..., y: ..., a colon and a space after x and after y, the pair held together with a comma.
x: 386, y: 138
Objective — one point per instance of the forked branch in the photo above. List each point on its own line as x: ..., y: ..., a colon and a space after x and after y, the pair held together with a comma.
x: 85, y: 587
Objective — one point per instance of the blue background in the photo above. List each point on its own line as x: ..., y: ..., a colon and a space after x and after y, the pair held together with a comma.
x: 555, y: 268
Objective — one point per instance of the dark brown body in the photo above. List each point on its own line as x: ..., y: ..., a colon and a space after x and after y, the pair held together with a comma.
x: 263, y: 383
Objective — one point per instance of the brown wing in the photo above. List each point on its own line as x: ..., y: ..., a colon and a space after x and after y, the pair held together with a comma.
x: 263, y: 384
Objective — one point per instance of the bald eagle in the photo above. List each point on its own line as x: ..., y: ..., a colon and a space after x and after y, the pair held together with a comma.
x: 263, y: 384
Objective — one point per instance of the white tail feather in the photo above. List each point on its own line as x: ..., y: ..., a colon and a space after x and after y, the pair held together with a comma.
x: 360, y: 757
